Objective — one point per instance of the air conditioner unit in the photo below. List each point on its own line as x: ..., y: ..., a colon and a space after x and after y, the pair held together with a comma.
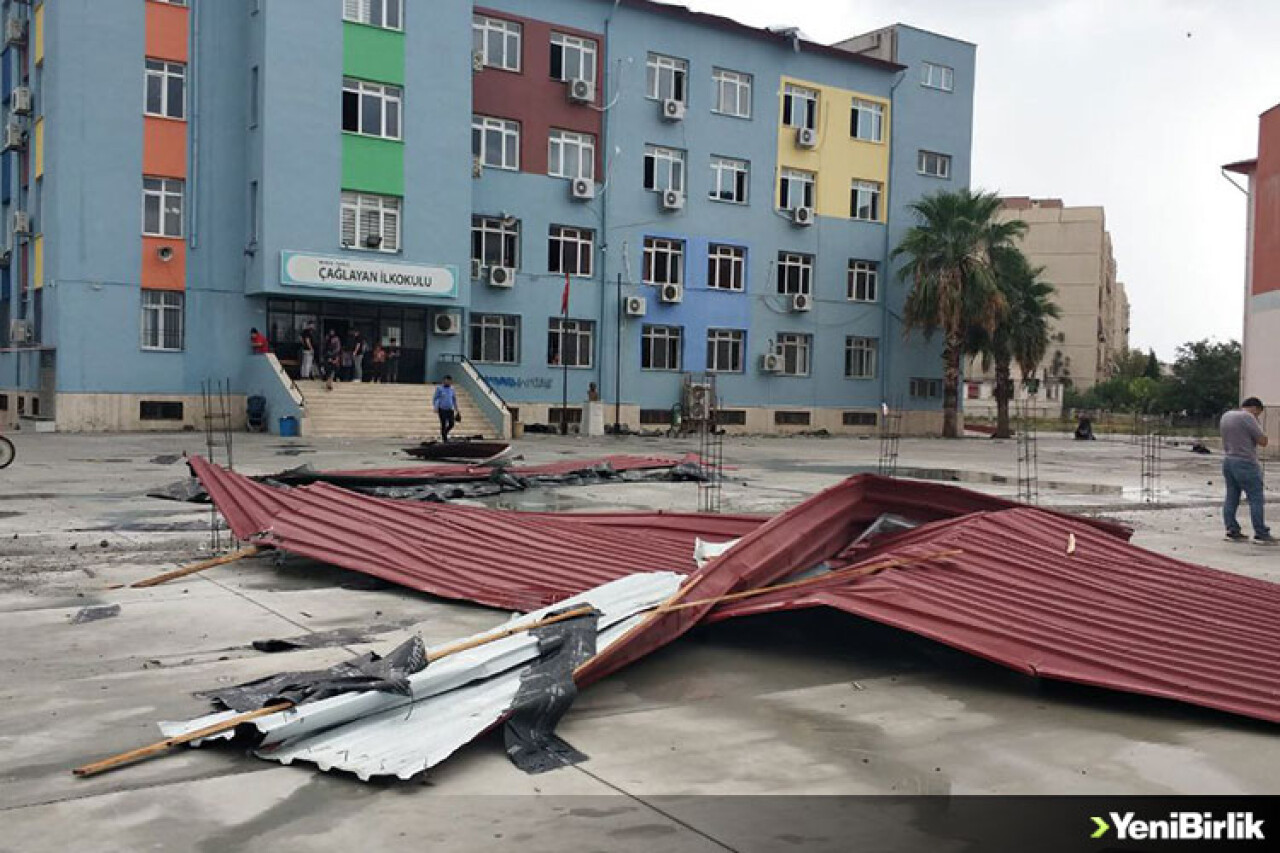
x: 672, y: 293
x: 802, y: 216
x: 477, y: 60
x: 19, y: 332
x: 477, y: 167
x: 20, y: 222
x: 502, y: 277
x: 20, y: 101
x: 635, y: 306
x: 673, y: 110
x: 582, y: 189
x: 699, y: 403
x: 582, y: 91
x: 477, y: 268
x: 15, y: 30
x: 448, y: 323
x: 770, y: 362
x: 672, y: 200
x: 15, y: 137
x: 806, y: 137
x: 801, y: 302
x: 373, y: 241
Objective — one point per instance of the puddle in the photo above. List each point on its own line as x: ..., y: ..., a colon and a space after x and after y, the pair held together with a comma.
x: 30, y: 496
x: 166, y: 459
x: 956, y: 475
x: 93, y: 614
x: 9, y: 514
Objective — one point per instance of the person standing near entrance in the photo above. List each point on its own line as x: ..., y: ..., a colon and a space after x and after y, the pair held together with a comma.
x: 378, y: 363
x: 445, y: 402
x: 332, y: 358
x: 393, y: 361
x: 308, y: 368
x: 1242, y: 435
x: 258, y: 342
x: 357, y: 357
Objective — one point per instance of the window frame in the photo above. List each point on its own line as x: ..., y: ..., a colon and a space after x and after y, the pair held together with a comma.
x: 788, y: 178
x: 868, y: 350
x: 583, y: 47
x: 509, y: 132
x: 583, y: 239
x: 792, y: 93
x: 560, y: 144
x: 672, y: 252
x: 162, y: 190
x: 735, y: 343
x: 796, y: 348
x: 803, y: 264
x: 875, y: 110
x: 560, y: 328
x: 735, y: 257
x: 483, y: 27
x: 723, y: 79
x: 932, y: 388
x: 386, y: 95
x: 943, y: 160
x: 739, y: 171
x: 670, y: 339
x: 863, y: 275
x: 165, y: 74
x: 362, y: 206
x: 160, y: 327
x: 946, y: 81
x: 875, y: 191
x: 674, y: 160
x: 494, y: 228
x: 504, y: 325
x: 364, y: 13
x: 659, y: 67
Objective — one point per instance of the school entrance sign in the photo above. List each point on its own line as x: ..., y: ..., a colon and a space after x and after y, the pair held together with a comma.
x: 299, y: 269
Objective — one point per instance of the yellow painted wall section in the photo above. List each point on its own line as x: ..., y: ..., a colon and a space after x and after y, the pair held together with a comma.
x: 37, y: 146
x: 37, y: 261
x: 37, y: 34
x: 839, y: 159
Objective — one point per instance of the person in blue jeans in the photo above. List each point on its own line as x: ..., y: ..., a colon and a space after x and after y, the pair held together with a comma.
x: 445, y: 402
x: 1242, y: 435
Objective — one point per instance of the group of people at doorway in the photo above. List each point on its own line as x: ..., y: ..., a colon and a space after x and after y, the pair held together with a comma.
x: 352, y: 360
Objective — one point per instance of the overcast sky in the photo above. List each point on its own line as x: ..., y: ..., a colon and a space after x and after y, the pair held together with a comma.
x: 1130, y: 104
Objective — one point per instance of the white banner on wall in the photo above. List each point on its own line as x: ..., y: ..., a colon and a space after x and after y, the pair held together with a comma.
x: 299, y: 269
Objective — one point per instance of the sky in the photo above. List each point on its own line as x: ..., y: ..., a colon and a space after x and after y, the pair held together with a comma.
x: 1130, y: 104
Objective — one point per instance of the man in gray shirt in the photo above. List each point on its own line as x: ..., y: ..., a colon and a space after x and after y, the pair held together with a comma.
x: 1242, y: 435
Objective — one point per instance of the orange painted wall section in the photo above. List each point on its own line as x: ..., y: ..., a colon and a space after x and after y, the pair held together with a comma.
x: 164, y: 275
x: 1266, y: 213
x: 167, y: 31
x: 164, y: 147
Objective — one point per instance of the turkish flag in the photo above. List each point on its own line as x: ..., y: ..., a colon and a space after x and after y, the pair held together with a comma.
x: 564, y: 297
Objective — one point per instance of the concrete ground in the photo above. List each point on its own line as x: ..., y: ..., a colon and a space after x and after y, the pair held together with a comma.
x: 806, y: 703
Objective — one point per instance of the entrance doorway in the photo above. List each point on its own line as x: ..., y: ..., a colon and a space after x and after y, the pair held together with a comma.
x: 390, y: 325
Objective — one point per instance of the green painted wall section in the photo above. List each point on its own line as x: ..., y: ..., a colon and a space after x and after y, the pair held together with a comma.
x: 372, y: 165
x: 372, y: 53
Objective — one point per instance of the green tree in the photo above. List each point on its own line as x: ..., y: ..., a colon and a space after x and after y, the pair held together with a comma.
x: 1152, y: 370
x: 1021, y: 334
x: 1205, y: 380
x: 949, y: 265
x: 1144, y: 391
x: 1129, y: 364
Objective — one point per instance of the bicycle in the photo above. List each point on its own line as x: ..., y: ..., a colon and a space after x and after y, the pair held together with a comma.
x: 7, y: 452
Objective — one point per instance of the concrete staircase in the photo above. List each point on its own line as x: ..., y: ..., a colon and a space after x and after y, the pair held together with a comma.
x: 368, y: 410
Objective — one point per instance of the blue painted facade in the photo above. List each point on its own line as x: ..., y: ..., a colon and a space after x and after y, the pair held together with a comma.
x: 87, y: 205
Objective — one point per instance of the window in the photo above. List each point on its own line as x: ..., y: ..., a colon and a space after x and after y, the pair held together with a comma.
x: 867, y: 121
x: 663, y: 261
x: 371, y: 109
x: 496, y: 42
x: 864, y: 277
x: 865, y: 201
x: 795, y: 189
x: 925, y: 388
x: 376, y: 13
x: 162, y: 320
x: 571, y: 155
x: 570, y: 340
x: 934, y: 165
x: 370, y: 222
x: 572, y: 58
x: 799, y: 107
x: 160, y: 410
x: 973, y: 390
x: 860, y: 357
x: 254, y: 215
x: 660, y: 347
x: 495, y: 338
x: 795, y: 273
x: 570, y: 250
x: 794, y: 349
x: 781, y: 418
x: 495, y: 142
x: 166, y: 89
x: 724, y: 350
x: 731, y: 417
x: 495, y: 242
x: 173, y: 2
x: 732, y: 93
x: 665, y: 76
x: 729, y: 178
x: 726, y: 267
x: 162, y: 207
x: 936, y: 76
x: 867, y: 419
x: 253, y: 96
x: 655, y: 417
x: 556, y: 414
x: 663, y: 168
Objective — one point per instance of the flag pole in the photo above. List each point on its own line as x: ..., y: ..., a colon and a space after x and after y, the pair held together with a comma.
x: 564, y: 361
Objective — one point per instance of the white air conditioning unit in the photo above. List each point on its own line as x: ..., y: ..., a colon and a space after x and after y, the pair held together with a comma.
x: 672, y: 293
x: 19, y: 332
x: 801, y: 302
x: 477, y: 268
x: 477, y: 60
x: 582, y: 189
x: 770, y: 362
x: 673, y: 110
x: 802, y: 216
x: 806, y: 137
x: 477, y: 167
x: 15, y: 137
x: 20, y: 101
x: 699, y: 402
x: 502, y: 277
x: 635, y: 306
x: 581, y: 91
x: 20, y: 223
x: 448, y: 323
x: 672, y: 200
x: 15, y: 30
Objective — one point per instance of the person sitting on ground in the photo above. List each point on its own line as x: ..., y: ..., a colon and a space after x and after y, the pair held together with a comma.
x: 1242, y: 435
x: 1084, y: 429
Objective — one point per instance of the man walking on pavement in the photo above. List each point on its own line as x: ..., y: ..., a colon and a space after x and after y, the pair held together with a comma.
x: 445, y: 402
x: 1242, y: 435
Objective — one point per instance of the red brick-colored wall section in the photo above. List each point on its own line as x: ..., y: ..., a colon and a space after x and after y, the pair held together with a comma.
x: 531, y: 97
x: 1266, y: 212
x: 164, y: 146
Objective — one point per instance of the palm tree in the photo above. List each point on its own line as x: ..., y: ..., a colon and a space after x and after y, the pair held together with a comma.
x: 1022, y: 333
x: 949, y: 263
